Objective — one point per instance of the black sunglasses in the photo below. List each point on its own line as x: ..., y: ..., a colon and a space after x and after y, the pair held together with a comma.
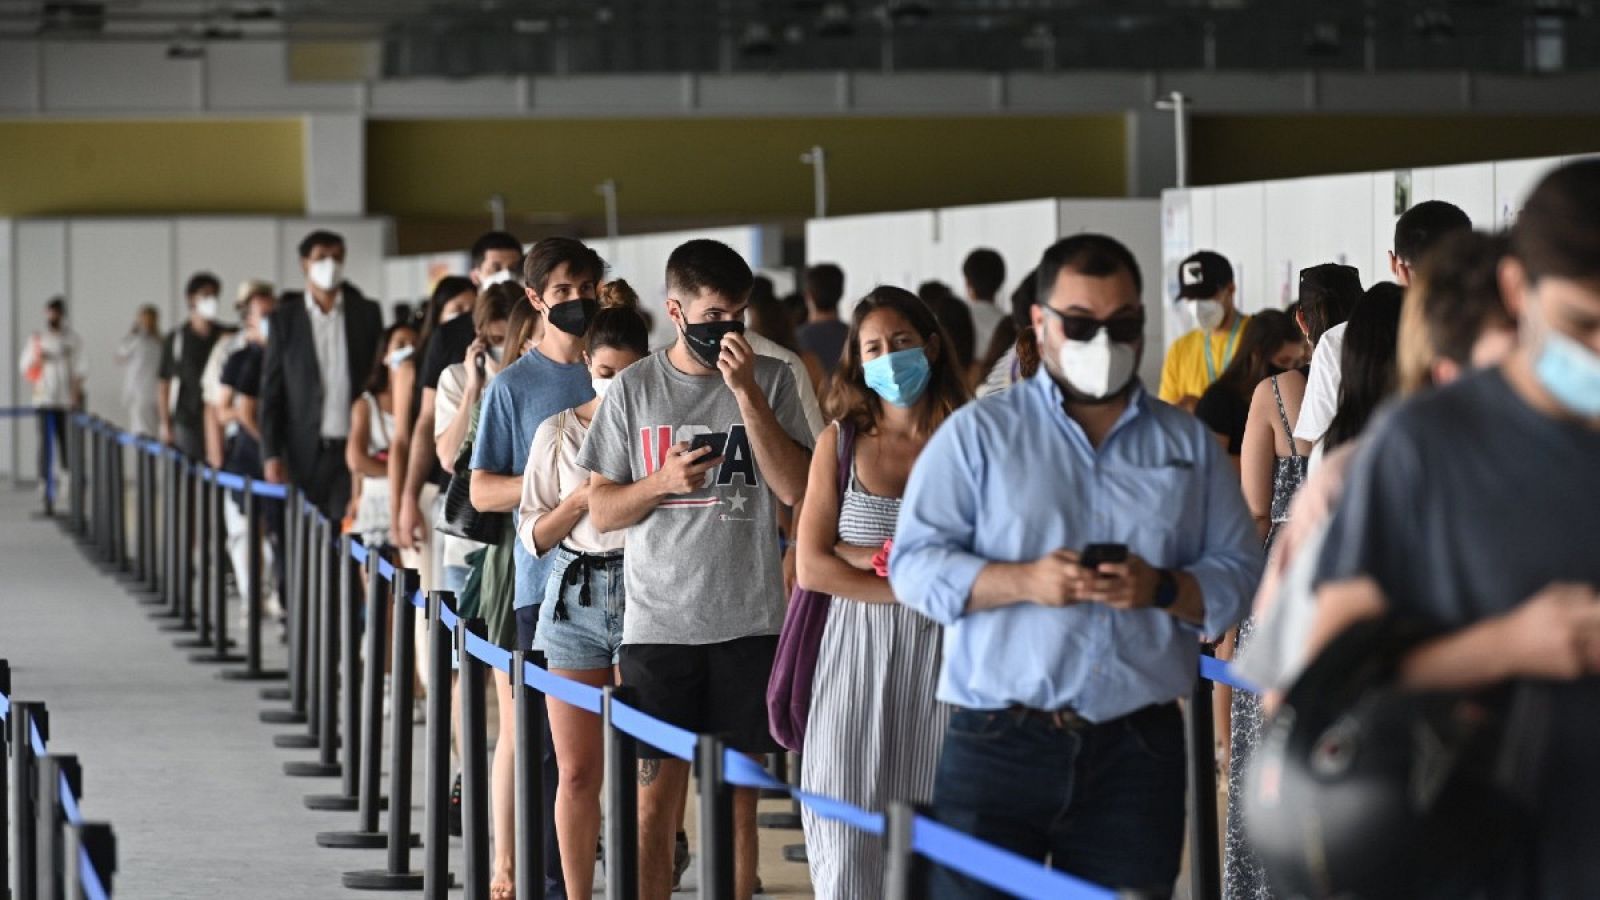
x: 1120, y: 328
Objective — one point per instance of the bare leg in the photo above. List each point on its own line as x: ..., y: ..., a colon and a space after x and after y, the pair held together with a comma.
x: 662, y: 783
x: 580, y: 755
x: 502, y: 886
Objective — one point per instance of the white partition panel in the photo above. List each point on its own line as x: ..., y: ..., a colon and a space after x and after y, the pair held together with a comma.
x: 883, y: 248
x: 110, y: 273
x: 1137, y: 224
x: 1512, y: 182
x: 235, y: 250
x: 1019, y: 232
x: 1313, y: 221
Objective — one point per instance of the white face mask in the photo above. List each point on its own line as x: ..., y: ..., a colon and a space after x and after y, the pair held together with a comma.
x: 206, y: 307
x: 326, y: 273
x: 262, y: 326
x: 500, y: 277
x: 601, y: 385
x: 1203, y: 314
x: 399, y: 356
x: 1096, y: 368
x: 497, y: 352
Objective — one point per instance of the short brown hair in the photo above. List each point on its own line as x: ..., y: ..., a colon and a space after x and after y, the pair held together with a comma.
x: 551, y: 253
x: 1558, y: 231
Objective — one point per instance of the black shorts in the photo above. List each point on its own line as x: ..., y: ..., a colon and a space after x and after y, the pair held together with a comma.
x: 716, y: 689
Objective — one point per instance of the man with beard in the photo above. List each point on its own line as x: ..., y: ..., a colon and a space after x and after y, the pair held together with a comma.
x: 1076, y: 536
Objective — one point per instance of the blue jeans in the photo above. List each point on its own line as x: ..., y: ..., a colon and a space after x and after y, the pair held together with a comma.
x: 1102, y: 802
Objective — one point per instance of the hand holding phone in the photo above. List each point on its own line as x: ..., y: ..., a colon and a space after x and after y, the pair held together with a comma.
x: 717, y: 441
x: 1095, y: 554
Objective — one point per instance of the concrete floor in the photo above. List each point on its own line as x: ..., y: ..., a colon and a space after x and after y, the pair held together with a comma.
x: 176, y: 759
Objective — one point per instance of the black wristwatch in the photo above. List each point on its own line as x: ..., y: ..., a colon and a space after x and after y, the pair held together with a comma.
x: 1166, y: 589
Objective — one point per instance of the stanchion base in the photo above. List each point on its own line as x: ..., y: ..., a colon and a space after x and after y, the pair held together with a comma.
x: 382, y: 880
x: 312, y: 769
x: 296, y: 741
x: 278, y: 693
x: 176, y: 626
x: 795, y: 853
x: 248, y: 675
x: 339, y: 803
x: 228, y: 659
x: 165, y: 613
x: 150, y: 597
x: 194, y: 643
x: 282, y: 717
x: 781, y: 820
x: 359, y: 840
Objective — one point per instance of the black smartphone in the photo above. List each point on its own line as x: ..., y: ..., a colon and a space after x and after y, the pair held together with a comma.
x: 716, y: 440
x: 1095, y: 554
x: 481, y: 361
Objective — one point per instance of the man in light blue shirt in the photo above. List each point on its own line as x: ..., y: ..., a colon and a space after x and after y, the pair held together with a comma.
x: 1067, y: 742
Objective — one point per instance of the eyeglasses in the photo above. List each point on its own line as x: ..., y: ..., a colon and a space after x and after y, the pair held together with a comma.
x: 1122, y: 329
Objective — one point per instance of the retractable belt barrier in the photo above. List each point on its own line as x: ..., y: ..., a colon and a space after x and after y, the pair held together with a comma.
x: 322, y: 630
x: 58, y: 852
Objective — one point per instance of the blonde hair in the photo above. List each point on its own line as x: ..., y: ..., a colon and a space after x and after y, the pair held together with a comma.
x: 1414, y: 351
x: 254, y: 287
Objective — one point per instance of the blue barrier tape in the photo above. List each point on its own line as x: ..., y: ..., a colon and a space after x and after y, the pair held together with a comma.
x: 999, y: 868
x: 69, y: 803
x: 37, y: 739
x: 127, y: 438
x: 358, y: 552
x: 742, y: 771
x: 5, y: 707
x: 490, y: 654
x: 385, y: 569
x: 669, y: 738
x: 566, y: 690
x: 1221, y: 672
x: 93, y: 888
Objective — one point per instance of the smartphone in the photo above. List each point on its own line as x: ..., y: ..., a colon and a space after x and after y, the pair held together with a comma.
x: 482, y: 363
x: 716, y: 440
x: 1095, y: 554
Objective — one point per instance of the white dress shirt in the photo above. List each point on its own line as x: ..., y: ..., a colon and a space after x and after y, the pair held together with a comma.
x: 1322, y: 387
x: 986, y: 317
x: 333, y: 359
x: 797, y: 368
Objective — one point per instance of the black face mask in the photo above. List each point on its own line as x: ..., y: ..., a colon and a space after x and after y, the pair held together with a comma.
x: 705, y: 339
x: 574, y: 316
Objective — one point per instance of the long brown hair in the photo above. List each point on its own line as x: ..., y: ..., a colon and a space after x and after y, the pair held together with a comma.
x: 850, y: 400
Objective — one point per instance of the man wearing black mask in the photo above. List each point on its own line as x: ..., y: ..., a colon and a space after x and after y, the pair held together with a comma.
x: 693, y: 451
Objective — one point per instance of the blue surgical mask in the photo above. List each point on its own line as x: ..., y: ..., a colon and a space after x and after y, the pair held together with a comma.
x: 899, y: 377
x: 1571, y: 373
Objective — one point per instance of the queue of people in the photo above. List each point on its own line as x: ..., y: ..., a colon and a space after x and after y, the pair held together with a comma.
x: 1017, y: 588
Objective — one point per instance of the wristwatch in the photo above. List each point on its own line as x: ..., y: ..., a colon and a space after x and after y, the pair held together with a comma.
x: 1166, y: 589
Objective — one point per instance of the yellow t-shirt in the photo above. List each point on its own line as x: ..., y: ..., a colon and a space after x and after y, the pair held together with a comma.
x: 1184, y: 374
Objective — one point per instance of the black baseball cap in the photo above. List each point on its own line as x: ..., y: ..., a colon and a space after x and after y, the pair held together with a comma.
x: 1202, y: 275
x: 1332, y: 279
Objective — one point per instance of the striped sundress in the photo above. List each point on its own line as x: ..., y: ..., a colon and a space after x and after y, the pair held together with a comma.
x: 875, y: 729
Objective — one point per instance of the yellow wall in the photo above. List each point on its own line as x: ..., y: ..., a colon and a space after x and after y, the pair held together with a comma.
x: 736, y: 167
x: 1226, y: 149
x: 67, y: 167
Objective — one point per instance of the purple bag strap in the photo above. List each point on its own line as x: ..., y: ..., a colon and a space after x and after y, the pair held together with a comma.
x: 847, y: 454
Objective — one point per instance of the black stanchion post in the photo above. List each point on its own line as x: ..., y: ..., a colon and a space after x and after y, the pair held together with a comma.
x: 254, y: 606
x: 52, y: 768
x: 95, y: 840
x: 1205, y: 868
x: 141, y: 502
x: 904, y: 876
x: 96, y: 494
x: 24, y: 717
x: 716, y: 820
x: 216, y: 551
x: 336, y: 609
x: 299, y: 527
x: 528, y: 725
x: 75, y: 514
x: 289, y: 593
x: 370, y: 769
x: 182, y: 606
x: 310, y: 659
x: 474, y: 763
x: 622, y: 804
x: 5, y: 790
x: 436, y: 750
x: 119, y: 522
x: 397, y: 875
x: 150, y: 524
x: 205, y: 489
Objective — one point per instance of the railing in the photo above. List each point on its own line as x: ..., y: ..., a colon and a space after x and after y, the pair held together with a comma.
x: 346, y: 727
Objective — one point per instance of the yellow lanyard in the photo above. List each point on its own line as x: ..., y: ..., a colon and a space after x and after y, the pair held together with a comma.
x: 1227, y: 350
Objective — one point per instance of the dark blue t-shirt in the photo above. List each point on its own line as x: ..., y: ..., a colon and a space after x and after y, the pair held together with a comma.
x: 522, y: 396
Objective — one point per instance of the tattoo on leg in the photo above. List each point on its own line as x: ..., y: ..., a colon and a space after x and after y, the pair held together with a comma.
x: 649, y: 771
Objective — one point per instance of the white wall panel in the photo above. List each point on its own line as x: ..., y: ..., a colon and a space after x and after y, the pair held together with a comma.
x: 1020, y: 232
x: 1137, y: 224
x: 1311, y: 221
x: 126, y: 77
x: 113, y: 267
x: 1513, y: 180
x: 414, y: 95
x: 1470, y: 187
x: 885, y: 248
x: 8, y: 372
x: 641, y: 260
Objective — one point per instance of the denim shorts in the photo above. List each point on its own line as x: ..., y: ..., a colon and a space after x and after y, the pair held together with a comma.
x: 580, y: 620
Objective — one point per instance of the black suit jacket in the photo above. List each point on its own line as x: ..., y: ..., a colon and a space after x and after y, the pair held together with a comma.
x: 290, y: 413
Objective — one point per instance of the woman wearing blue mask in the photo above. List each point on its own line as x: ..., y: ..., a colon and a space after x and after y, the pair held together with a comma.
x: 874, y: 728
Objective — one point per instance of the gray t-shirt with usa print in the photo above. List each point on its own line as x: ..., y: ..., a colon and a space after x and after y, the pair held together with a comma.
x: 701, y: 568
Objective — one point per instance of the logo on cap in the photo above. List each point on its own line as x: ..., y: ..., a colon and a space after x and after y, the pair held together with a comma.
x: 1193, y: 272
